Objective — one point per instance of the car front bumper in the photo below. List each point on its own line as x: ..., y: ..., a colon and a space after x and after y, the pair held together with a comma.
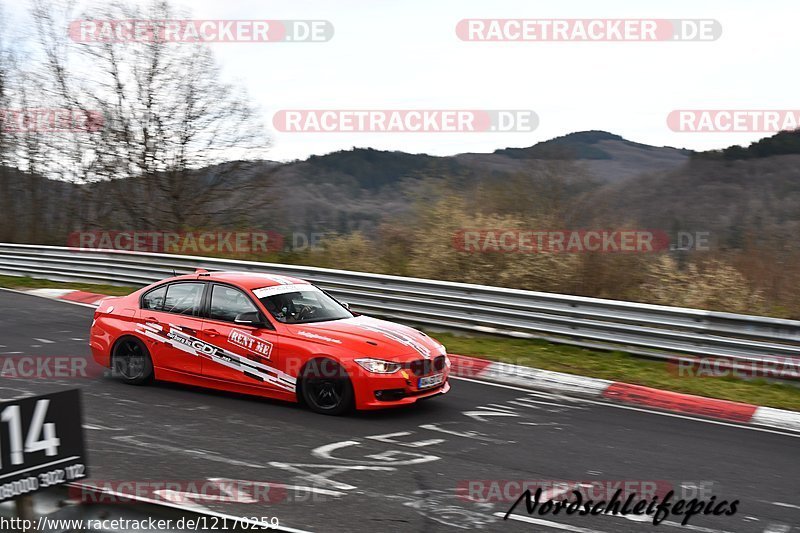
x: 376, y: 391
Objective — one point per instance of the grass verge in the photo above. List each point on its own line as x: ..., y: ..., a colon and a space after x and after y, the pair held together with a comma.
x: 22, y: 283
x: 618, y: 366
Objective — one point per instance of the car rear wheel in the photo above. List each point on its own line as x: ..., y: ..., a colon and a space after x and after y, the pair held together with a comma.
x: 131, y: 362
x: 326, y: 388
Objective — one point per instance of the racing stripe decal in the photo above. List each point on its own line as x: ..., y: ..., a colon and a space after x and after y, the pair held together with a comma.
x: 397, y: 336
x: 199, y: 348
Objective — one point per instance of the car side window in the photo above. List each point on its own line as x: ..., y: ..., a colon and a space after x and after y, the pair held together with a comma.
x: 154, y: 300
x: 184, y: 298
x: 227, y: 303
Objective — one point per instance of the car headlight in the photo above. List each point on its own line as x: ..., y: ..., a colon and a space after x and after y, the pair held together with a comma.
x: 377, y: 366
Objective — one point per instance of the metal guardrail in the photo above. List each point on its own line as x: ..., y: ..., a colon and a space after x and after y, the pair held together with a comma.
x: 650, y: 330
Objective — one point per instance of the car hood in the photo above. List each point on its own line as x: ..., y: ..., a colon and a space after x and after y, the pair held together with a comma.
x: 370, y: 337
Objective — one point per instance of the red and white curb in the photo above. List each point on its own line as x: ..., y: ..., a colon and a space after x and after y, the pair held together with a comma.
x: 572, y: 385
x: 82, y: 297
x: 567, y: 384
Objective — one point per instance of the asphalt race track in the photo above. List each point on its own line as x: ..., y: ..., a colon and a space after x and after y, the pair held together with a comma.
x: 409, y: 469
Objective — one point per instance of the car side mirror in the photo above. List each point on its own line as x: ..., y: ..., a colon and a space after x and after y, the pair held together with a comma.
x: 347, y: 306
x: 252, y: 318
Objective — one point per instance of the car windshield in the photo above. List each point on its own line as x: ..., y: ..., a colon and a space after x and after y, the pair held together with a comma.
x: 300, y: 304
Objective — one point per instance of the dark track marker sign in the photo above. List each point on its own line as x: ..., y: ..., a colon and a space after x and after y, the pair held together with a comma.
x: 41, y: 443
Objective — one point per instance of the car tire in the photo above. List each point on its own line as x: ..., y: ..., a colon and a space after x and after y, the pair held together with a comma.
x: 326, y: 388
x: 131, y: 362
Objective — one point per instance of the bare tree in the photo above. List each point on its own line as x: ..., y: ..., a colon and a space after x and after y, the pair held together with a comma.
x: 175, y: 139
x: 6, y: 138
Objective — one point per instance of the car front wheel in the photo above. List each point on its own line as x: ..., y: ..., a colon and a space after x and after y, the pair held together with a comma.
x: 326, y: 388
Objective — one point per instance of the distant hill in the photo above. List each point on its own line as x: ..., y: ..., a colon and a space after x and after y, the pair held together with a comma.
x: 632, y: 183
x: 373, y: 169
x: 579, y: 145
x: 782, y: 143
x: 357, y: 189
x: 736, y: 200
x: 605, y: 156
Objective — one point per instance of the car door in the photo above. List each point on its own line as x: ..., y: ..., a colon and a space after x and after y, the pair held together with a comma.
x: 170, y: 317
x: 248, y: 353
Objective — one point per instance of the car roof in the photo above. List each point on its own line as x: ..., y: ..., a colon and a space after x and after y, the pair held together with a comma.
x: 246, y: 280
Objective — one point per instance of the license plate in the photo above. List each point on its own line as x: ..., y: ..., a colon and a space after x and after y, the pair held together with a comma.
x: 430, y: 381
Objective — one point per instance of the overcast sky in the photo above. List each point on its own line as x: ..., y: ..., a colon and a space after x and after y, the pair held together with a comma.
x: 406, y: 55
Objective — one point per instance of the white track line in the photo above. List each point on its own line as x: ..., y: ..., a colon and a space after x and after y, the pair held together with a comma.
x: 208, y: 512
x: 48, y: 298
x: 640, y: 409
x: 548, y: 523
x: 577, y: 529
x: 781, y: 504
